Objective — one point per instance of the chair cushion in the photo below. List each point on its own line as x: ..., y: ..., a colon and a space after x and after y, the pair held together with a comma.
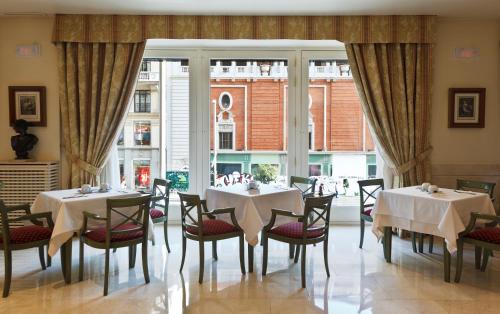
x: 213, y: 227
x: 156, y: 213
x: 28, y: 234
x: 99, y: 234
x: 294, y: 230
x: 368, y: 212
x: 491, y: 235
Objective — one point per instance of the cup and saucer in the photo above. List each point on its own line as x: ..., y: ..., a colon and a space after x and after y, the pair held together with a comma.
x: 85, y: 189
x: 104, y: 187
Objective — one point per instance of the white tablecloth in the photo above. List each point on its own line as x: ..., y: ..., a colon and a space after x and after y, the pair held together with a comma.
x: 253, y: 207
x: 67, y: 213
x: 444, y: 214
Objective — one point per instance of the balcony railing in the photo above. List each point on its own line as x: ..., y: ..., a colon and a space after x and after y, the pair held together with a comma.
x: 146, y: 76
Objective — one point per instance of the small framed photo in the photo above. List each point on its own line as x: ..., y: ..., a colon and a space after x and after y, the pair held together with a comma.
x: 28, y: 103
x: 466, y: 107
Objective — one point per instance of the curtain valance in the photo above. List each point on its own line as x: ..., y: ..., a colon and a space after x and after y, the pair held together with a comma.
x: 347, y: 29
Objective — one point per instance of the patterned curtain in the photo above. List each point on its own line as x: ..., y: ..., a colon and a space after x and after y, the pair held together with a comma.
x: 393, y: 82
x: 96, y: 81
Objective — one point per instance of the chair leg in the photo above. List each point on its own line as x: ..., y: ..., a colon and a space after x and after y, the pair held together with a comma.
x: 202, y: 261
x: 41, y: 254
x: 303, y: 266
x: 325, y: 257
x: 242, y: 254
x: 81, y: 257
x: 297, y: 254
x: 8, y: 272
x: 106, y: 273
x: 49, y: 259
x: 145, y: 268
x: 214, y: 250
x: 421, y: 243
x: 486, y: 256
x: 477, y: 255
x: 291, y: 250
x: 132, y: 255
x: 265, y: 243
x: 431, y: 243
x: 460, y: 260
x: 183, y: 252
x: 165, y: 233
x: 362, y: 233
x: 414, y: 241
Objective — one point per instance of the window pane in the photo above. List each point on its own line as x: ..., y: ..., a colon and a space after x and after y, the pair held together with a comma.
x: 248, y: 120
x: 142, y: 171
x: 142, y: 133
x: 340, y: 145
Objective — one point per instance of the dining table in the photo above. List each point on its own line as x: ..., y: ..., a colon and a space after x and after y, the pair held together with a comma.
x: 67, y: 207
x: 253, y: 207
x: 445, y: 214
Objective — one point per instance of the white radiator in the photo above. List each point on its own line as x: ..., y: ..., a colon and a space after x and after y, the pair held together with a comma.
x: 24, y: 180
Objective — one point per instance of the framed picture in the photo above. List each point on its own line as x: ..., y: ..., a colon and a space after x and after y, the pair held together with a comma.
x: 28, y: 103
x: 466, y: 107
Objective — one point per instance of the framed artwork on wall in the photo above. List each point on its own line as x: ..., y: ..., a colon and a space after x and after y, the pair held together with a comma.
x: 28, y: 103
x: 466, y: 107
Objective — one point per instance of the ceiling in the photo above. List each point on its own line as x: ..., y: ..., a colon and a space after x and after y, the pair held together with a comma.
x: 449, y: 8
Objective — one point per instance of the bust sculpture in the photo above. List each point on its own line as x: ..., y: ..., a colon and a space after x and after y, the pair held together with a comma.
x: 23, y: 142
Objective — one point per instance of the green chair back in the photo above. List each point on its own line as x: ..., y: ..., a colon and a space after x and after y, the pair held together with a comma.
x: 191, y: 211
x: 161, y: 193
x: 476, y: 186
x: 368, y: 190
x: 119, y: 213
x: 317, y: 212
x: 306, y: 185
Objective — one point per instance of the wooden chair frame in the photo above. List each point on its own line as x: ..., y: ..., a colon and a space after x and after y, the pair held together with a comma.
x: 160, y: 199
x: 364, y: 202
x: 140, y: 218
x: 316, y: 210
x: 464, y: 185
x: 486, y: 248
x: 8, y: 247
x: 191, y: 205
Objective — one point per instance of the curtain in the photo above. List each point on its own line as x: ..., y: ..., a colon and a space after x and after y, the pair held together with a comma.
x: 96, y: 81
x: 393, y: 82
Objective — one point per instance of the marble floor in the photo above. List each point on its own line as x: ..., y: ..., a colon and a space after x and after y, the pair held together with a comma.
x: 361, y: 281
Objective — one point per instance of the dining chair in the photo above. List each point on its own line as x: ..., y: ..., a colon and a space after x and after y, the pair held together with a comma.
x: 159, y: 205
x: 201, y: 225
x: 307, y: 186
x: 368, y: 190
x: 485, y: 240
x: 309, y: 228
x: 25, y: 237
x: 463, y: 185
x: 123, y: 227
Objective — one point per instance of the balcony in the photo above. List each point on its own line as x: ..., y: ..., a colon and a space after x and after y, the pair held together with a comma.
x: 146, y: 76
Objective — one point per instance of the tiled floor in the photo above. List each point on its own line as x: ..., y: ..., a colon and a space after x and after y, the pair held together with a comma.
x: 361, y: 282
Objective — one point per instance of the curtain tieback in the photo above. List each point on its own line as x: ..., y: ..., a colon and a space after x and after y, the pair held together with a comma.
x: 412, y: 163
x: 82, y: 164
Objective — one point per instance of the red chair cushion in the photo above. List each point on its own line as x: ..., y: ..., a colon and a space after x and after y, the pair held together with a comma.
x: 99, y: 234
x: 294, y: 230
x: 213, y: 227
x: 156, y: 213
x: 491, y: 235
x: 28, y: 234
x: 368, y: 212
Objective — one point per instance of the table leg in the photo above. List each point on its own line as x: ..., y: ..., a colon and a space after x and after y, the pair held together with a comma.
x: 387, y: 243
x: 447, y: 262
x: 66, y: 252
x: 250, y: 258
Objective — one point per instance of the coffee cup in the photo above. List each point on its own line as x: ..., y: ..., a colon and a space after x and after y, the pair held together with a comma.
x: 433, y: 189
x: 425, y: 186
x: 104, y: 186
x: 86, y: 188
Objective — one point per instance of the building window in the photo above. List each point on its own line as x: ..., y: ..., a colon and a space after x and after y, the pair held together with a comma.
x: 142, y: 101
x: 142, y: 171
x: 314, y: 170
x: 120, y: 139
x: 225, y: 140
x: 146, y: 66
x: 142, y: 133
x: 228, y: 169
x: 225, y: 101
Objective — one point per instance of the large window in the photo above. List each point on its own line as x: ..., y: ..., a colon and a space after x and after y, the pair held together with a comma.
x: 146, y: 66
x: 225, y: 140
x: 142, y: 133
x: 142, y: 101
x: 142, y: 171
